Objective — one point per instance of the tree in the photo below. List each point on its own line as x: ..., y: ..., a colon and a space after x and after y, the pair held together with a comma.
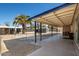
x: 22, y: 20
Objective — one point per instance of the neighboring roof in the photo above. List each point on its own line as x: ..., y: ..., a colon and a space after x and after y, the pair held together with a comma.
x: 51, y: 10
x: 4, y: 26
x: 14, y: 27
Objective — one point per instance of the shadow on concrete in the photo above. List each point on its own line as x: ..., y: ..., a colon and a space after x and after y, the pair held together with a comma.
x: 22, y: 46
x: 19, y: 47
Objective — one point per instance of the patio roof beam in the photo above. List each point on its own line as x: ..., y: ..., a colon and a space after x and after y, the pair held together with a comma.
x: 44, y: 22
x: 59, y: 18
x: 74, y: 14
x: 61, y: 13
x: 65, y: 15
x: 65, y: 11
x: 49, y: 21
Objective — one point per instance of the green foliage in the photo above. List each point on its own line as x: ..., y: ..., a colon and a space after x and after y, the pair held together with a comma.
x: 22, y: 19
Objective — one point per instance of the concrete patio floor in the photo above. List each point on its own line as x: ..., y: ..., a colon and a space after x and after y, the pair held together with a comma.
x: 20, y: 46
x: 56, y: 46
x: 51, y: 45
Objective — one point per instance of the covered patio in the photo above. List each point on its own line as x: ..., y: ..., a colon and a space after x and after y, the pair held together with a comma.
x: 50, y: 44
x: 62, y: 16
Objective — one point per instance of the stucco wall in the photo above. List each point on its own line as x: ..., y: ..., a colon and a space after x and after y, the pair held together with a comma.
x: 66, y: 29
x: 1, y: 31
x: 75, y: 24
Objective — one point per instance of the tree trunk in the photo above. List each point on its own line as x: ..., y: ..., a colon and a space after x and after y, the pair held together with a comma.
x: 30, y: 26
x: 23, y: 28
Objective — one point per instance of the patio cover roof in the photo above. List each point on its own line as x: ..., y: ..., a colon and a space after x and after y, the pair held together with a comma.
x: 60, y: 16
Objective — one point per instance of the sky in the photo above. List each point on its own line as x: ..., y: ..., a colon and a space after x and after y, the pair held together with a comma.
x: 8, y: 11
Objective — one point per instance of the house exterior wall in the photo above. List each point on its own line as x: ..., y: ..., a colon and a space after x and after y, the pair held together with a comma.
x: 75, y: 26
x: 66, y: 29
x: 66, y: 32
x: 4, y: 31
x: 1, y: 31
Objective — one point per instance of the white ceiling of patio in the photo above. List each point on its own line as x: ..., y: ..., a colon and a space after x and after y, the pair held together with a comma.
x: 61, y: 17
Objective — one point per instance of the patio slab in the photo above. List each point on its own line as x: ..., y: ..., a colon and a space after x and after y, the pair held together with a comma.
x: 56, y: 46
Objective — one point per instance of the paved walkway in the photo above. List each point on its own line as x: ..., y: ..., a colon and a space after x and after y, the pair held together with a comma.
x: 55, y: 46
